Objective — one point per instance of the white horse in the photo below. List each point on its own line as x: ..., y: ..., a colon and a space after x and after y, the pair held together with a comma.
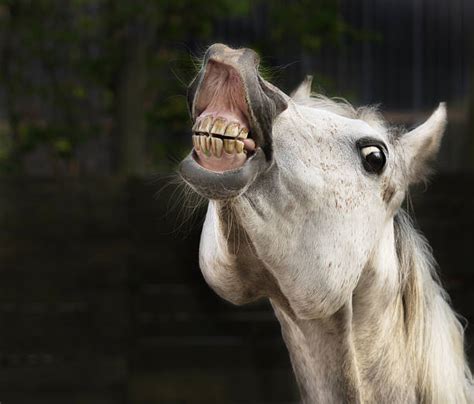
x: 304, y: 209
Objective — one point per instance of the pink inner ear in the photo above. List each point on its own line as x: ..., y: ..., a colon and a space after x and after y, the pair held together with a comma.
x: 222, y: 94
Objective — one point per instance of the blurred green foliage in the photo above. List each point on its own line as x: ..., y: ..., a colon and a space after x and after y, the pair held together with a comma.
x: 69, y: 69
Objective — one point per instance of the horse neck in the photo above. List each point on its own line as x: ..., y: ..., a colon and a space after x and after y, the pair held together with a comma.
x: 323, y: 356
x: 397, y: 340
x: 357, y: 354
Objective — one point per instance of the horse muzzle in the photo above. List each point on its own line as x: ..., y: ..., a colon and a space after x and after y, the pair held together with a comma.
x: 232, y: 108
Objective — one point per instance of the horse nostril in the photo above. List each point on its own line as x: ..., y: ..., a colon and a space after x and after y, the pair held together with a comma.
x: 240, y: 59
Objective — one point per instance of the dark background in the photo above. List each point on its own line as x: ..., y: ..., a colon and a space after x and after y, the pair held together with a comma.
x: 101, y: 298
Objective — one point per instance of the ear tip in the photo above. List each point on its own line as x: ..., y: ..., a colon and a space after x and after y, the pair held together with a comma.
x: 308, y: 81
x: 441, y: 113
x: 303, y: 92
x: 442, y: 109
x: 422, y: 143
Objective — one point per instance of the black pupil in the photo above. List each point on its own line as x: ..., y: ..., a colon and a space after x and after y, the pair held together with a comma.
x: 375, y: 161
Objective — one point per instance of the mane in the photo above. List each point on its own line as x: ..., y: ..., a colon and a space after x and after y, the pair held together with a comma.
x: 341, y: 107
x: 434, y: 334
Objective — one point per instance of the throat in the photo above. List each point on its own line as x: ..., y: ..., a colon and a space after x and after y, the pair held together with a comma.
x: 362, y: 352
x: 336, y: 360
x: 359, y: 353
x: 323, y: 356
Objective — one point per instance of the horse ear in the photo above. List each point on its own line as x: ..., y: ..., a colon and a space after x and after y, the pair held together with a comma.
x: 303, y: 91
x: 421, y: 145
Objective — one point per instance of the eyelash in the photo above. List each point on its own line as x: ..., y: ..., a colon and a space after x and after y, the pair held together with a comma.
x: 367, y: 142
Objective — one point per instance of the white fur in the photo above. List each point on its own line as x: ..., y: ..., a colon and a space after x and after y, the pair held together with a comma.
x: 352, y: 283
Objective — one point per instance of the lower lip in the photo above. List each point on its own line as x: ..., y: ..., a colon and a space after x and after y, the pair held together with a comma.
x: 222, y: 185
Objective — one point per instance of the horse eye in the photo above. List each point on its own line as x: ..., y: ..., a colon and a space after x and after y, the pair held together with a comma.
x: 373, y: 159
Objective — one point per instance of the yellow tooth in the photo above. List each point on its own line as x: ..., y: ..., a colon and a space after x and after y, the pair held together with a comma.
x: 202, y: 141
x: 217, y: 147
x: 218, y: 128
x: 212, y: 141
x: 208, y: 145
x: 232, y: 130
x: 229, y: 145
x: 239, y: 146
x: 196, y: 127
x: 244, y: 132
x: 205, y: 124
x: 196, y: 144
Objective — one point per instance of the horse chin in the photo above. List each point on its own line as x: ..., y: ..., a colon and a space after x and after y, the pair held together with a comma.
x: 226, y: 184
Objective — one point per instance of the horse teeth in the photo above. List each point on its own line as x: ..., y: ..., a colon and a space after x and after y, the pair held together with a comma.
x: 209, y: 145
x: 205, y: 124
x: 196, y: 142
x: 229, y: 145
x: 218, y: 144
x: 202, y: 140
x: 212, y: 144
x: 218, y: 128
x: 239, y: 146
x: 232, y: 130
x: 244, y: 132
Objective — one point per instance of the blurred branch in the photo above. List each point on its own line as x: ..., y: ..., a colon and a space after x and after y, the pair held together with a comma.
x: 9, y: 16
x: 131, y: 86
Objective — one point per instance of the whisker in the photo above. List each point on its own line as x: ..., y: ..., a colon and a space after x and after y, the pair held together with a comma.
x: 183, y: 202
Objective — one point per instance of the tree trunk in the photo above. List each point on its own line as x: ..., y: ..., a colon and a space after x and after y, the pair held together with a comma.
x: 470, y: 117
x: 9, y: 22
x: 130, y: 111
x: 471, y: 102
